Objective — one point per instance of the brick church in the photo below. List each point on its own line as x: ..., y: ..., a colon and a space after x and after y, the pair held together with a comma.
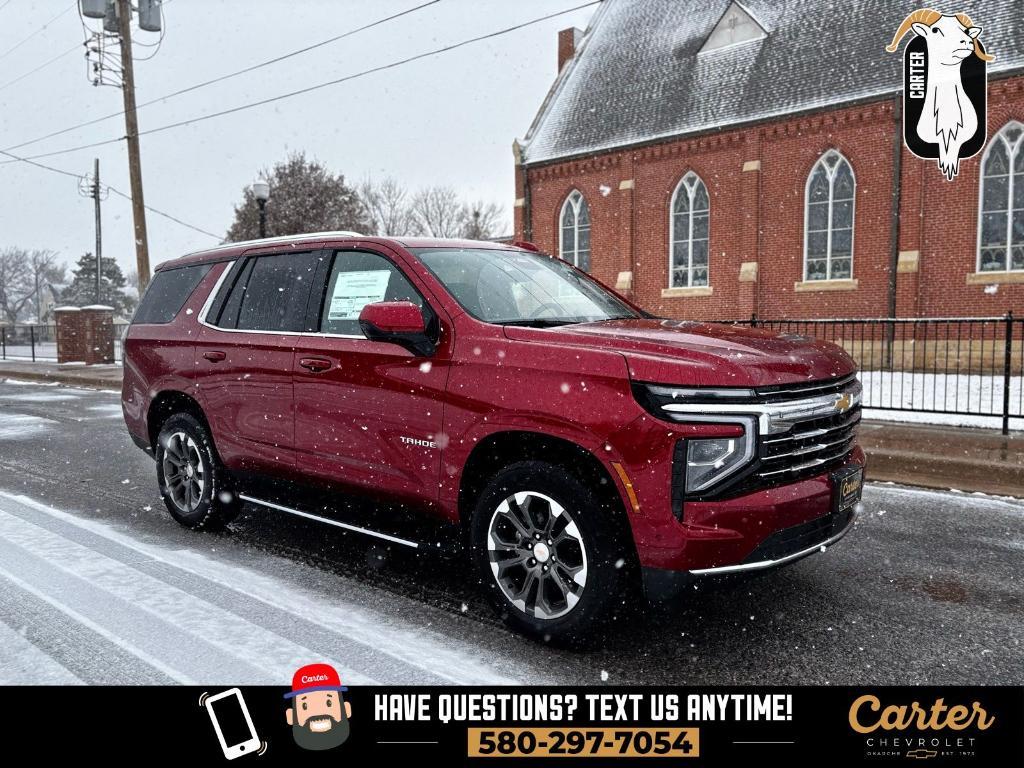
x: 715, y: 159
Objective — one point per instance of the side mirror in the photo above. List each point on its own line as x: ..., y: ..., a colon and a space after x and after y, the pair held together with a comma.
x: 397, y: 322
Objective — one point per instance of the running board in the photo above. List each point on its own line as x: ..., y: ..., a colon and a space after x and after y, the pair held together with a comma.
x: 328, y: 521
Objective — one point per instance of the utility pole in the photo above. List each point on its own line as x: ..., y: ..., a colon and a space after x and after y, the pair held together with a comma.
x: 131, y: 120
x: 89, y: 186
x: 99, y: 235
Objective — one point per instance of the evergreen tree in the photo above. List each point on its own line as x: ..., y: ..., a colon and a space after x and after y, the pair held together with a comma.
x: 81, y: 292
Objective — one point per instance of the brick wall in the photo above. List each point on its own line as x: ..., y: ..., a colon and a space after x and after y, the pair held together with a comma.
x: 756, y: 178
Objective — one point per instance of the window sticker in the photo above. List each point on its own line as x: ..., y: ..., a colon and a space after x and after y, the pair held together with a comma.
x: 354, y: 290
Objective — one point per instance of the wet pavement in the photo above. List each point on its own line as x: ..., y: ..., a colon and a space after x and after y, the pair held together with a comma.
x: 98, y: 584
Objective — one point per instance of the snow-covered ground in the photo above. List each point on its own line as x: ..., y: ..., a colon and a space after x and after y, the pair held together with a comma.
x: 99, y: 585
x: 178, y: 615
x: 981, y: 397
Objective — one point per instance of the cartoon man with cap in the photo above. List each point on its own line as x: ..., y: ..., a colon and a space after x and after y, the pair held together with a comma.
x: 318, y: 715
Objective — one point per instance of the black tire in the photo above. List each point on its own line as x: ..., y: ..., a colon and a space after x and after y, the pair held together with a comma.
x: 611, y: 584
x: 209, y: 503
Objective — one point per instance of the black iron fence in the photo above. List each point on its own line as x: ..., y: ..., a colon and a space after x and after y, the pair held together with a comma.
x: 964, y: 366
x: 960, y: 366
x: 38, y: 342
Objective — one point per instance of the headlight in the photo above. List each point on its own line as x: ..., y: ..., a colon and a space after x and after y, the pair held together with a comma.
x: 709, y: 460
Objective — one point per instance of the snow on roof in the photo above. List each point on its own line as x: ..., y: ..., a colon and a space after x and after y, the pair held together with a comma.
x: 637, y: 77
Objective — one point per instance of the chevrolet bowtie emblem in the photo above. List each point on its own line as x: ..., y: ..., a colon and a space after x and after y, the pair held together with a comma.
x: 843, y: 403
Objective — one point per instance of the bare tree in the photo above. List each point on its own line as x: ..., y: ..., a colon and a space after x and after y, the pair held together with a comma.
x: 388, y: 204
x: 433, y: 211
x: 482, y: 220
x: 437, y: 212
x: 15, y: 283
x: 43, y: 270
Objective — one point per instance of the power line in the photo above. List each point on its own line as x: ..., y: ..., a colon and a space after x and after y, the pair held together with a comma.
x: 58, y: 57
x: 337, y: 81
x: 4, y: 4
x: 65, y: 151
x: 230, y: 75
x: 166, y: 215
x: 17, y: 46
x: 116, y: 191
x: 40, y: 165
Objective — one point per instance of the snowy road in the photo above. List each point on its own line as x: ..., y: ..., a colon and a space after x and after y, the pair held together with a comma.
x: 99, y: 585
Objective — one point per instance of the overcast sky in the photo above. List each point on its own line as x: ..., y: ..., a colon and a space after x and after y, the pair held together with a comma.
x: 448, y: 119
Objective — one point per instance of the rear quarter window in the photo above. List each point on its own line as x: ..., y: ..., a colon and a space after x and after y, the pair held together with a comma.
x: 168, y: 292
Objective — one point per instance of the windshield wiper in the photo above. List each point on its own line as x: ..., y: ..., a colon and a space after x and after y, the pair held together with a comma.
x: 614, y: 317
x: 539, y: 322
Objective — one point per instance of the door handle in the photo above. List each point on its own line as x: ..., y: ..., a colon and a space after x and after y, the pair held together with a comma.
x: 315, y: 364
x: 214, y: 356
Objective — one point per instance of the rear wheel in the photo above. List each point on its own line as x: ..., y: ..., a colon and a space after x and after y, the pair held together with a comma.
x: 192, y: 482
x: 553, y: 555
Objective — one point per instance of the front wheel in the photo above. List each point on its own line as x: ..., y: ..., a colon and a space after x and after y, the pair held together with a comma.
x: 192, y: 481
x: 553, y: 556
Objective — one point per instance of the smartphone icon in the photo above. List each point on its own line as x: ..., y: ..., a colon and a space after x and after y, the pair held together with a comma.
x: 231, y: 721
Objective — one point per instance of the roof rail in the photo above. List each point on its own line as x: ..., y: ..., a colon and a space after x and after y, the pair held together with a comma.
x: 279, y: 239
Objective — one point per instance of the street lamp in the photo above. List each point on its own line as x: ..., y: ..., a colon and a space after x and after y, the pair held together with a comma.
x: 261, y: 191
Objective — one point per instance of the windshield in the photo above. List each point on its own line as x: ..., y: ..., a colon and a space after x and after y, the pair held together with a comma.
x: 521, y: 288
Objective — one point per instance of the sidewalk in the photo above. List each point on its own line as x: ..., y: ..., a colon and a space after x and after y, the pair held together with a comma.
x: 914, y: 454
x: 74, y: 375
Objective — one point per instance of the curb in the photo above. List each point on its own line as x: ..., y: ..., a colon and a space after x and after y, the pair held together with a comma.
x: 944, y: 472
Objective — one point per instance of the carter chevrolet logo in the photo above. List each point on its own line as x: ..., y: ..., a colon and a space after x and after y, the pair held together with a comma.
x: 843, y: 403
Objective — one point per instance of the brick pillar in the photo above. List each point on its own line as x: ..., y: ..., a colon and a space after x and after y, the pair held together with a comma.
x: 624, y: 280
x: 747, y: 294
x: 907, y: 294
x: 70, y: 335
x: 913, y: 184
x: 98, y: 327
x: 750, y: 228
x: 519, y: 208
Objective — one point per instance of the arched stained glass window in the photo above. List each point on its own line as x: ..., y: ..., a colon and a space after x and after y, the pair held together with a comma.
x: 574, y: 231
x: 828, y: 219
x: 1001, y: 224
x: 688, y: 233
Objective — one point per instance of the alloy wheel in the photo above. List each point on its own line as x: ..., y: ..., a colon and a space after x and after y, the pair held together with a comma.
x: 184, y: 472
x: 537, y: 555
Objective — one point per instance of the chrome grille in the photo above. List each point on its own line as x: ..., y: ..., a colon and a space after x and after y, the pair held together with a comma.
x: 797, y: 430
x: 808, y: 445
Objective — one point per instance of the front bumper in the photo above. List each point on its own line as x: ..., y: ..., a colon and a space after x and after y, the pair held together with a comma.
x: 663, y: 586
x: 790, y: 544
x: 718, y: 533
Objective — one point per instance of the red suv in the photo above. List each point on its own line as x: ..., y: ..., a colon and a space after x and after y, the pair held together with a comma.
x: 578, y: 441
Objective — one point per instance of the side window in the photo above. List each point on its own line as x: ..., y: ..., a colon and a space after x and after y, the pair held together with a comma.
x: 168, y: 293
x: 272, y: 293
x: 276, y: 293
x: 359, y: 278
x: 228, y: 316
